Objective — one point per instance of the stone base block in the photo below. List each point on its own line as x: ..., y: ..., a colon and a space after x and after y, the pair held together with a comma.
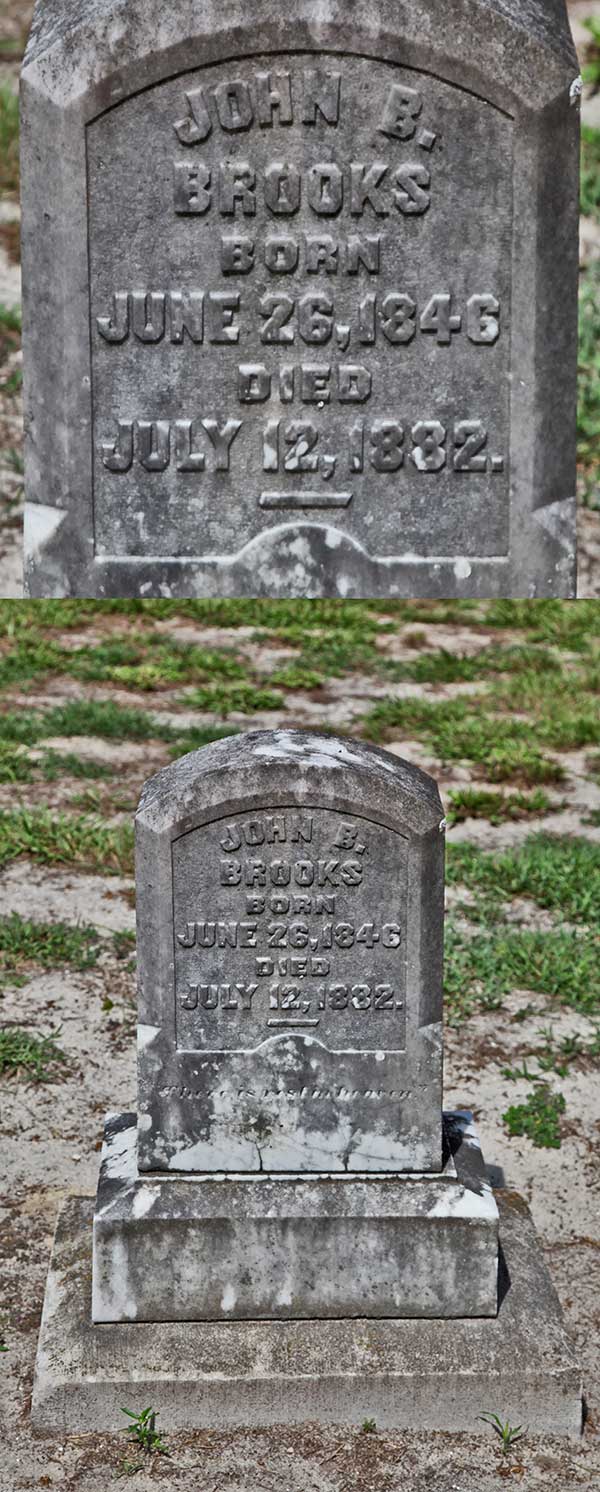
x: 291, y: 1248
x: 406, y: 1375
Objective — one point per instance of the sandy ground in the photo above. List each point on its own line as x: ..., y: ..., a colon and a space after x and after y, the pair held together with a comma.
x: 52, y: 1138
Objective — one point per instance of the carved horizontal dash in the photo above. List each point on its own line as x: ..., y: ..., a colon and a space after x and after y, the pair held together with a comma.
x: 305, y: 499
x: 299, y: 1022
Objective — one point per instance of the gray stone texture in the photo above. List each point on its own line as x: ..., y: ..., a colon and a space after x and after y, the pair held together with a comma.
x: 413, y: 1375
x: 251, y: 1248
x: 300, y: 298
x: 290, y: 926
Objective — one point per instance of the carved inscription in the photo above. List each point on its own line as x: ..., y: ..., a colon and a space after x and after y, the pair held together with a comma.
x: 307, y: 280
x: 280, y: 925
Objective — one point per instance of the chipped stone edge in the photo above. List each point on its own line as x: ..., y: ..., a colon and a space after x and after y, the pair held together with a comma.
x: 40, y: 527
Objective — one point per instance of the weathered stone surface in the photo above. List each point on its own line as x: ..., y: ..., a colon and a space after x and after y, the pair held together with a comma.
x: 270, y: 1248
x: 313, y: 330
x: 421, y: 1375
x: 290, y: 916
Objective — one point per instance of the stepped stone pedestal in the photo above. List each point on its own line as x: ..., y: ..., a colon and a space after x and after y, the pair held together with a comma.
x: 228, y: 1248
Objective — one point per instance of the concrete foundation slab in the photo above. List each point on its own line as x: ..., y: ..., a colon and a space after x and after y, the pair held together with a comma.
x: 426, y: 1375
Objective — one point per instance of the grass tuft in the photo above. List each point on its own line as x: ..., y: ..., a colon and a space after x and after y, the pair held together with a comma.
x: 588, y: 408
x: 498, y: 808
x: 557, y: 872
x: 25, y: 944
x: 229, y: 699
x: 538, y: 1118
x: 590, y: 172
x: 482, y: 969
x: 62, y: 839
x: 27, y: 1055
x: 9, y: 139
x: 10, y: 337
x: 460, y: 730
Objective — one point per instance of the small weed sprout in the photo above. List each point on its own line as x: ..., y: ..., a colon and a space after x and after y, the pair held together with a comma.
x: 368, y: 1427
x: 143, y: 1429
x: 509, y: 1434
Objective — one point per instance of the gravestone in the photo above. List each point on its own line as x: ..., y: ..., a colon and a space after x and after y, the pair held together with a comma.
x: 289, y: 1162
x: 300, y: 299
x: 290, y: 908
x: 289, y: 930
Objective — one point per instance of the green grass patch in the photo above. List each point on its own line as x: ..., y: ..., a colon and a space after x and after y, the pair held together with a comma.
x: 63, y: 839
x: 538, y: 1118
x: 123, y: 944
x: 563, y: 624
x: 10, y: 340
x: 482, y: 969
x: 11, y: 48
x: 27, y: 658
x: 151, y: 662
x: 140, y: 662
x: 15, y: 765
x: 272, y: 616
x: 593, y: 767
x: 228, y: 699
x: 197, y: 736
x: 333, y: 637
x: 83, y: 718
x: 99, y: 718
x: 439, y: 667
x: 590, y: 172
x: 297, y: 676
x: 55, y: 764
x: 333, y: 651
x: 498, y: 808
x: 591, y: 71
x: 563, y: 709
x: 559, y: 873
x: 9, y: 139
x: 557, y: 623
x: 459, y: 730
x: 87, y: 717
x: 588, y: 407
x: 560, y: 705
x: 25, y: 1054
x: 47, y: 945
x: 445, y: 667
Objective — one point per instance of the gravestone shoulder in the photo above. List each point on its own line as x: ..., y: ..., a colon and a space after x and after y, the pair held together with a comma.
x: 341, y: 767
x: 105, y: 27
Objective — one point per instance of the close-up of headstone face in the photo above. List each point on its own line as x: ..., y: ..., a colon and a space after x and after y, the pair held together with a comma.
x: 319, y: 336
x: 299, y: 744
x: 310, y: 284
